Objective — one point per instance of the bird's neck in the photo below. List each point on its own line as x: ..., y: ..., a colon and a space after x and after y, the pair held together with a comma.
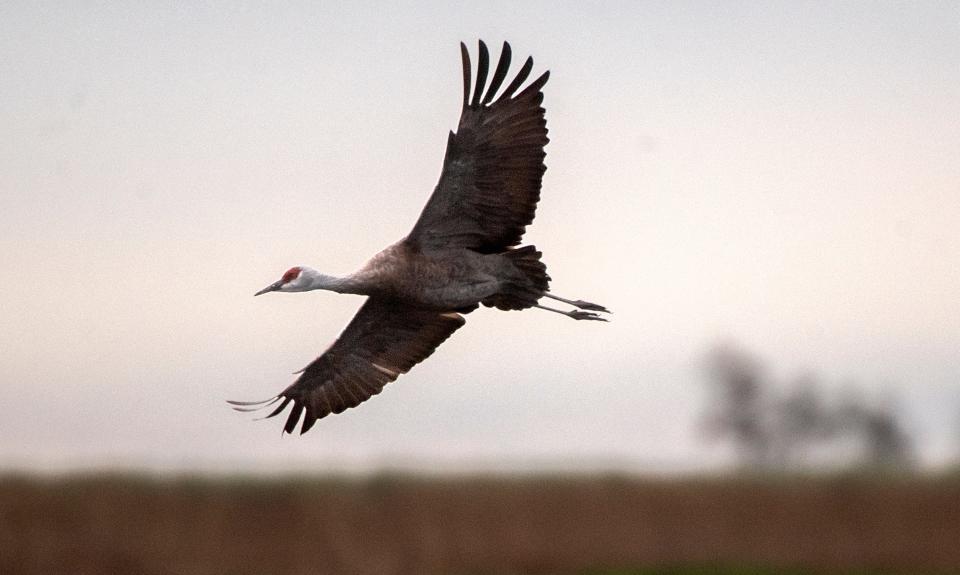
x: 345, y: 284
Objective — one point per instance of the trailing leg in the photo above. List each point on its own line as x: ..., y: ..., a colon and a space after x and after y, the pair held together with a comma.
x: 579, y: 303
x: 575, y: 314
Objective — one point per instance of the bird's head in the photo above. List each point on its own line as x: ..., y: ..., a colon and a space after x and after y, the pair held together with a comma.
x: 294, y: 279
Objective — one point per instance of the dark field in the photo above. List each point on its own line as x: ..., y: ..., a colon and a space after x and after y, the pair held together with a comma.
x: 400, y: 524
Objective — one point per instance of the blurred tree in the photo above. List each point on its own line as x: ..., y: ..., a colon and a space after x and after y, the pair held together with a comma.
x: 738, y: 407
x: 887, y: 447
x: 803, y: 420
x: 884, y: 443
x: 956, y: 456
x: 773, y: 430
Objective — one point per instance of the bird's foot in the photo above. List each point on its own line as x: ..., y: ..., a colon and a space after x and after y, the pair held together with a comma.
x: 579, y: 303
x: 589, y: 306
x: 577, y: 314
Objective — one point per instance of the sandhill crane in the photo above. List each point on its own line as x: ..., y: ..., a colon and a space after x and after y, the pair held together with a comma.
x: 461, y: 253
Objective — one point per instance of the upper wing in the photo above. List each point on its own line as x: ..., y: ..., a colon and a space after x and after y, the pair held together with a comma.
x: 384, y: 339
x: 490, y: 183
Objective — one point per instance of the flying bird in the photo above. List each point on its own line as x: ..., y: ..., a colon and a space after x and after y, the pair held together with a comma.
x: 462, y: 252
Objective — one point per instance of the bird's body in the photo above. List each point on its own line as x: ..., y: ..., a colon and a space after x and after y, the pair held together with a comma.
x: 442, y: 280
x: 461, y: 253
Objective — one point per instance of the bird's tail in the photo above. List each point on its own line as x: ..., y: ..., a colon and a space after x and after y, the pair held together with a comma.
x: 530, y: 284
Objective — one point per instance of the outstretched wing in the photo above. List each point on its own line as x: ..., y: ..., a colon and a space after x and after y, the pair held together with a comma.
x: 490, y: 184
x: 385, y: 339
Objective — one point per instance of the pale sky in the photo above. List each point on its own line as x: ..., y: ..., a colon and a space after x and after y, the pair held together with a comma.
x: 786, y: 175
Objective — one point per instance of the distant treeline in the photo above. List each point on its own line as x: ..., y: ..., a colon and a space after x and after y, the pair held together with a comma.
x: 798, y: 427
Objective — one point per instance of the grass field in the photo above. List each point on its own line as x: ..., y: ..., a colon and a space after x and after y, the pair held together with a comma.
x: 472, y: 525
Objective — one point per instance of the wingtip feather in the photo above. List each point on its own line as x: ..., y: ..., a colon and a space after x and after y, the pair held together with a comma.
x: 267, y: 401
x: 483, y: 64
x: 309, y: 419
x: 294, y: 418
x: 465, y: 59
x: 536, y: 85
x: 503, y: 66
x: 250, y: 406
x: 520, y: 78
x: 281, y: 407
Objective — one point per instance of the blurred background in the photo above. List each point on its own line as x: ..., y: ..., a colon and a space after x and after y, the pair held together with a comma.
x: 766, y: 195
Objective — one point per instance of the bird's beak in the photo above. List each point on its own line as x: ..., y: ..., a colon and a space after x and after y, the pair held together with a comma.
x: 272, y: 287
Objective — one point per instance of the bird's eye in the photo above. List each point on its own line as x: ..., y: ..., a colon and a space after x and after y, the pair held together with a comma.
x: 291, y: 274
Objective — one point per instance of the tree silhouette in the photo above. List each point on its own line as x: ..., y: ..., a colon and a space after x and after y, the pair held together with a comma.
x: 737, y: 409
x: 802, y: 420
x: 774, y: 430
